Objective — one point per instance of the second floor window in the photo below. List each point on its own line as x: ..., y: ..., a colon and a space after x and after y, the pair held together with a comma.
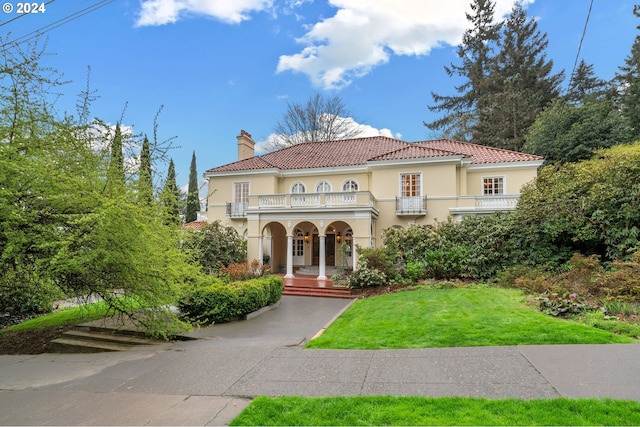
x: 410, y: 185
x: 323, y: 187
x: 493, y: 185
x: 298, y: 188
x: 241, y: 192
x: 350, y: 185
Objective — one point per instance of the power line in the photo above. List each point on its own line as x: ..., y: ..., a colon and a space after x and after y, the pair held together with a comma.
x: 584, y: 32
x: 55, y: 24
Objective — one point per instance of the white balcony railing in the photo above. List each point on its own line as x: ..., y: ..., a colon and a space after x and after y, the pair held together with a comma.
x: 411, y: 205
x: 497, y: 202
x: 237, y: 209
x: 314, y: 200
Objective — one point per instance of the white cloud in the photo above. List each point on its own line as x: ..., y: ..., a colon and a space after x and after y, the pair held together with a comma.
x: 363, y: 132
x: 160, y: 12
x: 364, y: 34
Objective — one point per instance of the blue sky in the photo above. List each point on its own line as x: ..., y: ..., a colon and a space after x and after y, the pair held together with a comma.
x: 219, y: 66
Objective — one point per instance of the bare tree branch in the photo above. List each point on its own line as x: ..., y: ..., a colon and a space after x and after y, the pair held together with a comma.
x: 319, y: 119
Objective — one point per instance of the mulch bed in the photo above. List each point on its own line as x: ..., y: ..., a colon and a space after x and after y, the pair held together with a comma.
x: 29, y: 342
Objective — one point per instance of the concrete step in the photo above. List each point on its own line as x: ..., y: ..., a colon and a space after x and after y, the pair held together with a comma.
x: 70, y: 345
x: 108, y: 336
x: 92, y: 341
x: 311, y: 270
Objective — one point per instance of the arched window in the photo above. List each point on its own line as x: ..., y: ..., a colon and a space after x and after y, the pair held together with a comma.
x: 350, y: 185
x: 298, y: 188
x: 323, y: 187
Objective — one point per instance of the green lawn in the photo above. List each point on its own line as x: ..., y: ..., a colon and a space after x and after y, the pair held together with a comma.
x: 70, y: 316
x: 446, y: 318
x: 417, y: 411
x: 453, y: 318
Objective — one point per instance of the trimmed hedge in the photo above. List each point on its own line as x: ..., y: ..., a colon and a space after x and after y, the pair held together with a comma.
x: 217, y: 302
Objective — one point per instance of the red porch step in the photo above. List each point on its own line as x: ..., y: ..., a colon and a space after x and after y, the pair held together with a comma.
x: 308, y: 291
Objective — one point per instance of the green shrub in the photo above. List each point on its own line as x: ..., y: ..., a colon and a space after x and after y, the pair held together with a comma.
x: 383, y: 260
x: 24, y: 293
x: 445, y: 263
x: 414, y: 271
x: 214, y: 247
x: 212, y: 300
x: 529, y: 279
x: 365, y: 276
x: 565, y: 305
x: 475, y: 248
x: 623, y: 281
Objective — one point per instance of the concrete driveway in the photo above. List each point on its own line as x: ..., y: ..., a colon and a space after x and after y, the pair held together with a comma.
x: 210, y: 380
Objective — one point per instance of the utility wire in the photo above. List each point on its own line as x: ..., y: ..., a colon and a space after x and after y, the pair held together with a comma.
x: 55, y: 24
x: 584, y: 32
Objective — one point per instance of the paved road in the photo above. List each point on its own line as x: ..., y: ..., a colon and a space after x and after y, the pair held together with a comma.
x: 210, y: 380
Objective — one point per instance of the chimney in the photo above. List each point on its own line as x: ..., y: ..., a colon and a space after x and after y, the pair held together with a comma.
x: 245, y: 145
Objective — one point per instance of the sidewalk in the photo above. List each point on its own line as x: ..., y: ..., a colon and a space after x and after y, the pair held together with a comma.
x: 209, y: 381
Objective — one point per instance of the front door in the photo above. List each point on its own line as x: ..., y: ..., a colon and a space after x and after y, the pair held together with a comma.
x: 330, y: 250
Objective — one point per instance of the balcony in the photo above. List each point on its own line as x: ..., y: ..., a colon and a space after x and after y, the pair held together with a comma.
x: 411, y: 205
x: 237, y: 209
x: 314, y: 200
x: 504, y: 202
x: 473, y: 205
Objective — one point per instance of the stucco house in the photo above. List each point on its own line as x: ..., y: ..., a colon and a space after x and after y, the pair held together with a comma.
x: 301, y: 204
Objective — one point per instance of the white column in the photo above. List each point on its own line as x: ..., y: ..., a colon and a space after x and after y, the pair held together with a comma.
x: 354, y: 261
x: 289, y: 274
x: 260, y: 249
x: 270, y: 252
x: 322, y: 273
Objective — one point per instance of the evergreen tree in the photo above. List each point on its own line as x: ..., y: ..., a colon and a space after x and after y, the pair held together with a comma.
x: 584, y: 84
x: 566, y: 132
x: 476, y: 55
x: 115, y: 174
x: 628, y: 80
x: 522, y: 84
x: 193, y: 197
x: 170, y: 197
x: 145, y: 181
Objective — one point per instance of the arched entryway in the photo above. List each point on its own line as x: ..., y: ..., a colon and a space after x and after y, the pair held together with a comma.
x: 290, y: 247
x: 340, y: 236
x: 273, y: 238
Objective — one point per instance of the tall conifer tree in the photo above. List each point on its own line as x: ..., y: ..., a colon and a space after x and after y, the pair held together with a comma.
x: 115, y: 174
x: 629, y: 81
x: 193, y: 198
x: 522, y: 84
x: 476, y: 56
x: 145, y: 180
x: 170, y: 197
x: 585, y: 85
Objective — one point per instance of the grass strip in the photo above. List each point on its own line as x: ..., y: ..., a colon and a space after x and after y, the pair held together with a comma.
x: 388, y: 410
x: 427, y: 318
x: 71, y: 316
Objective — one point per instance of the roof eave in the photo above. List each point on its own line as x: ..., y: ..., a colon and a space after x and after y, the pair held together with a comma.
x: 247, y: 172
x: 516, y: 164
x: 414, y: 161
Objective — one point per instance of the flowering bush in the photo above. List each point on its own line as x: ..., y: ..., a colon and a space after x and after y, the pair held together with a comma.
x: 243, y: 271
x: 366, y: 276
x: 214, y: 246
x: 564, y: 305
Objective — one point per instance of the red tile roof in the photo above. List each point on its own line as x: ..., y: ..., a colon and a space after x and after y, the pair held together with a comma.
x: 360, y: 151
x: 479, y: 153
x: 195, y: 224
